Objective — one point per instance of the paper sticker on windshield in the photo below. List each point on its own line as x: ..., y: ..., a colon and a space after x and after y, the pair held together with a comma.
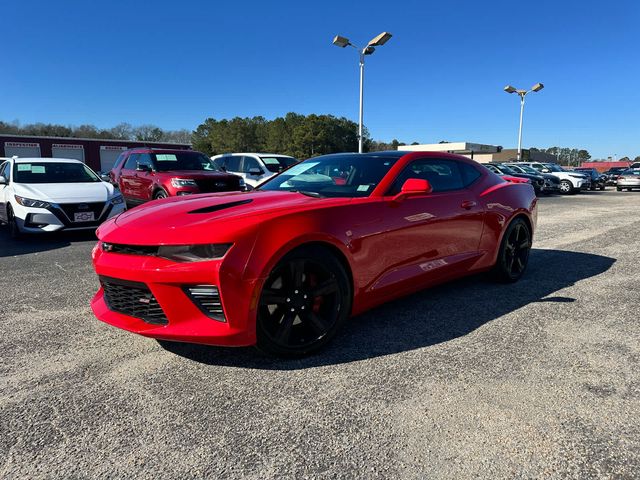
x: 37, y: 169
x: 301, y: 168
x: 166, y: 157
x: 363, y: 188
x: 24, y: 167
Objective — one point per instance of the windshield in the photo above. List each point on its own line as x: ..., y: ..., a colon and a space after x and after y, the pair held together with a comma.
x: 166, y: 162
x: 47, y: 172
x: 555, y: 168
x: 277, y: 164
x: 348, y: 175
x: 506, y: 170
x: 528, y: 169
x: 631, y: 172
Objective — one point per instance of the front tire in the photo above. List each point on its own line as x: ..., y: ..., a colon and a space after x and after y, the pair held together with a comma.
x: 566, y: 187
x: 513, y: 255
x: 160, y: 194
x: 12, y: 222
x: 304, y: 302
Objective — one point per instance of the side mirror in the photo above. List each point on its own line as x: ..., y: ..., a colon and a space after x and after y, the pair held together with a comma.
x: 255, y: 171
x: 413, y: 187
x: 545, y: 170
x: 105, y: 177
x: 3, y: 180
x: 141, y: 167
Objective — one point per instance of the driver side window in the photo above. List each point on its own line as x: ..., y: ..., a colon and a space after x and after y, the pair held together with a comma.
x: 4, y: 171
x: 443, y: 175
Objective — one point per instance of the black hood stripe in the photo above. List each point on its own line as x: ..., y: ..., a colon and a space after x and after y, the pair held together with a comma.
x: 215, y: 208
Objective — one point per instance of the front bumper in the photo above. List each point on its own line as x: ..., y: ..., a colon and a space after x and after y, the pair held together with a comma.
x: 55, y: 218
x: 167, y: 281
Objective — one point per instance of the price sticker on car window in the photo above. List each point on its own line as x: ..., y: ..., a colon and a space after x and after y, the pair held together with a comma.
x: 24, y: 167
x: 364, y: 188
x: 37, y: 169
x: 166, y: 157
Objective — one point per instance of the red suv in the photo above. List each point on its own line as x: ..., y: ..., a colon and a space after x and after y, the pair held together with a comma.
x: 144, y: 174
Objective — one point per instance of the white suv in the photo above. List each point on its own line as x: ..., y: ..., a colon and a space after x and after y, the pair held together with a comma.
x: 49, y: 194
x: 570, y: 182
x: 255, y: 168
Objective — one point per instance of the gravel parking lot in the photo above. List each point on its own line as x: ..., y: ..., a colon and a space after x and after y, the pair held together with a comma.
x: 470, y: 379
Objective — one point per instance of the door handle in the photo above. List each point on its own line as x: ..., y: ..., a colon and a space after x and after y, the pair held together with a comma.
x: 468, y: 204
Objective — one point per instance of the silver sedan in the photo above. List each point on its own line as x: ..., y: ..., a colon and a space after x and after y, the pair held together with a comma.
x: 629, y: 179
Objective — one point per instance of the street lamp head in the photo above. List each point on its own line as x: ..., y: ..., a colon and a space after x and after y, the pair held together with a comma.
x: 510, y: 89
x: 537, y: 87
x: 380, y: 40
x: 341, y: 42
x: 369, y: 50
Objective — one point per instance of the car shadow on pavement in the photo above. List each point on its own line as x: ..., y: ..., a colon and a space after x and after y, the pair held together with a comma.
x: 41, y: 242
x: 425, y: 318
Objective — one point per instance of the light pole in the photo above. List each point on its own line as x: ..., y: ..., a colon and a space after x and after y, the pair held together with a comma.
x: 522, y: 93
x: 378, y: 41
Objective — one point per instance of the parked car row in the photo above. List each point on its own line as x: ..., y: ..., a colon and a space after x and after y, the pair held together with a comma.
x: 545, y: 177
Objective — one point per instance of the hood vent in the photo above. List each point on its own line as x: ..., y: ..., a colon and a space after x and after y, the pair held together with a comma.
x: 215, y: 208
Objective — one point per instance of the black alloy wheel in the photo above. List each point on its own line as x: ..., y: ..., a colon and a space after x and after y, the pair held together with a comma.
x: 304, y: 301
x: 514, y: 252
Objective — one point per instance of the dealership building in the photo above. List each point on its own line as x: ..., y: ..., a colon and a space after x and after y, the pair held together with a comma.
x: 481, y: 152
x: 99, y: 154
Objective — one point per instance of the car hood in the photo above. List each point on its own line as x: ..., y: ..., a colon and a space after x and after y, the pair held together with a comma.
x: 179, y: 220
x: 65, y: 192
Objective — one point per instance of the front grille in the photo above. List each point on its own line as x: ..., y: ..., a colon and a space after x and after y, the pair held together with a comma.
x: 230, y: 184
x: 71, y: 208
x: 133, y: 299
x: 129, y: 249
x: 207, y: 299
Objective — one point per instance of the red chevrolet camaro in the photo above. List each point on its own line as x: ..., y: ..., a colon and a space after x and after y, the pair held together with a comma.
x: 283, y: 267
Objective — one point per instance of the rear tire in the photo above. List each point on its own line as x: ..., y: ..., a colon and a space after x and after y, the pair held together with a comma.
x: 513, y: 255
x: 618, y: 189
x: 304, y: 302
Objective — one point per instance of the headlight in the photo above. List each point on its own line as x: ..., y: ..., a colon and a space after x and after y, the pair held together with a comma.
x: 28, y: 202
x: 183, y: 182
x: 117, y: 200
x: 193, y: 253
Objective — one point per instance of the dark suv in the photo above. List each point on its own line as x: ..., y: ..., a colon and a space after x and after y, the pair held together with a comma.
x: 598, y: 181
x: 144, y: 174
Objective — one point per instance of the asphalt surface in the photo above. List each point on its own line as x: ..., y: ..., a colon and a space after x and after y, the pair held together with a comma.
x: 539, y: 379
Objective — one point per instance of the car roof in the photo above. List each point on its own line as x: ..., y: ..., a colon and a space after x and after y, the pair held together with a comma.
x: 46, y: 160
x: 259, y: 154
x: 161, y: 150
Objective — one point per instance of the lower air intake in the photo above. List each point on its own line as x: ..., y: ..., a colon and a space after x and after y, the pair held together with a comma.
x: 207, y: 299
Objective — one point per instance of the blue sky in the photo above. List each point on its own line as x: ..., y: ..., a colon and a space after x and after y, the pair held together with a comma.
x: 440, y: 77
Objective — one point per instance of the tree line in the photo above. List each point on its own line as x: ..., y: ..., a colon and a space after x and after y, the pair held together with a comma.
x: 301, y: 136
x: 122, y: 131
x: 575, y: 156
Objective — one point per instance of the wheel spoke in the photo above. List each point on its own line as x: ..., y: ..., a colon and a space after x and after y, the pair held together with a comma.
x: 316, y: 322
x: 510, y: 262
x: 284, y: 330
x: 272, y: 297
x: 325, y: 288
x: 524, y: 245
x: 296, y: 272
x: 520, y: 264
